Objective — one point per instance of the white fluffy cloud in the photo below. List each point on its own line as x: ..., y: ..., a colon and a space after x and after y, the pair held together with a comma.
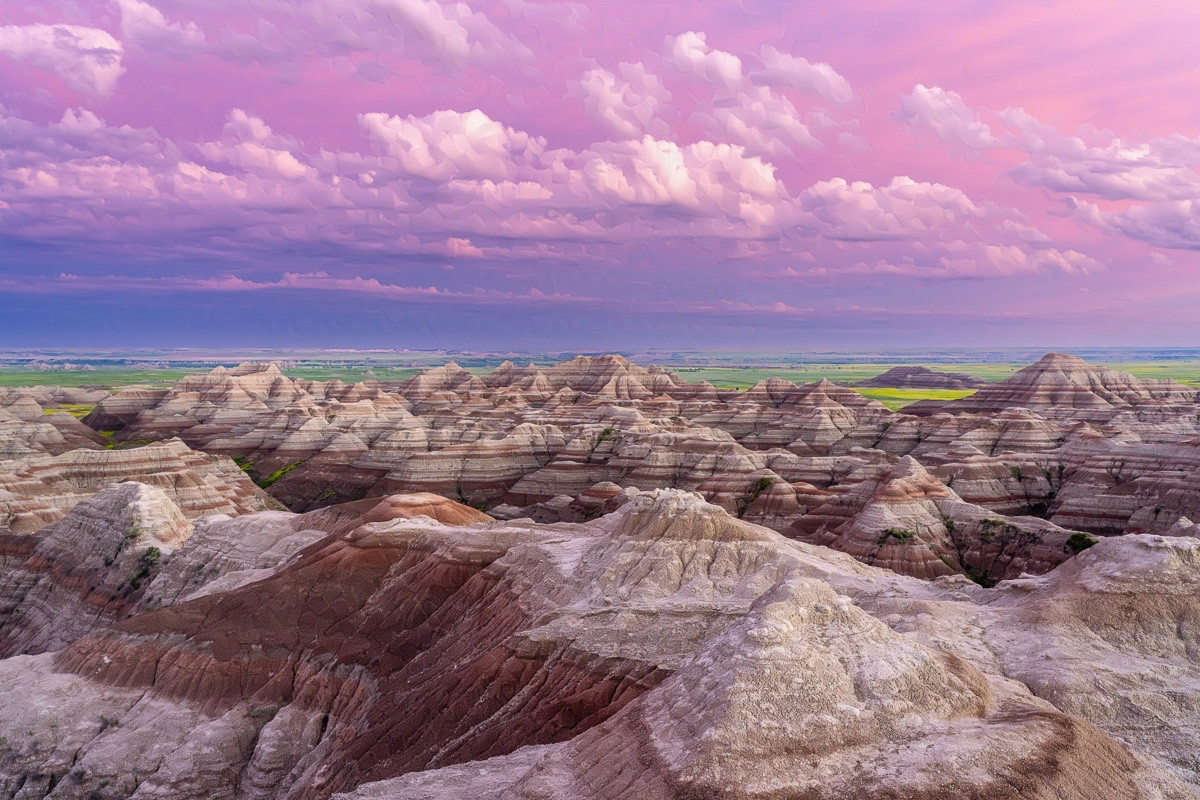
x: 450, y: 144
x: 249, y: 143
x: 784, y: 69
x: 760, y: 120
x: 902, y: 209
x: 1174, y: 224
x: 452, y: 32
x: 1159, y: 169
x: 87, y: 59
x: 145, y: 25
x: 689, y: 52
x: 948, y: 117
x: 1161, y: 176
x: 626, y: 104
x: 463, y: 178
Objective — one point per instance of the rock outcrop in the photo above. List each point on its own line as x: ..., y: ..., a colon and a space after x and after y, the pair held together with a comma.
x: 1074, y: 445
x: 412, y: 647
x: 36, y: 491
x: 922, y: 378
x: 1069, y: 386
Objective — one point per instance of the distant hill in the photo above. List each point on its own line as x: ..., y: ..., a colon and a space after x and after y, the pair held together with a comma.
x: 922, y: 378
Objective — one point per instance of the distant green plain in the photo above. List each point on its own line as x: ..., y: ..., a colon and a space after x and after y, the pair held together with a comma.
x: 723, y: 377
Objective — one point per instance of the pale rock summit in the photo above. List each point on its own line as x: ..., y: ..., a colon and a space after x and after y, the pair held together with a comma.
x: 409, y: 647
x: 1070, y: 386
x: 37, y: 490
x: 88, y: 569
x: 922, y: 378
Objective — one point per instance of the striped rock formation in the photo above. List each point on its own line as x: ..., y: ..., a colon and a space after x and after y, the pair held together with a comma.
x: 38, y: 490
x: 1069, y: 386
x: 667, y: 650
x: 922, y: 378
x: 1064, y: 442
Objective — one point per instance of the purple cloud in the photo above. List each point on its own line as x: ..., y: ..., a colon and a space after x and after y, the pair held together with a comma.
x: 643, y: 156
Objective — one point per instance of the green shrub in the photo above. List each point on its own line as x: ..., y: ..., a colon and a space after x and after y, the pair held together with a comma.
x: 145, y: 564
x: 1079, y: 541
x: 899, y: 534
x: 271, y: 479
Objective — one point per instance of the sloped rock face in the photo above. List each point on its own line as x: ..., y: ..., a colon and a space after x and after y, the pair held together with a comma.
x: 922, y: 378
x: 1079, y: 447
x: 164, y: 635
x: 667, y: 650
x: 901, y: 517
x: 36, y: 491
x: 114, y: 554
x: 88, y: 569
x: 1071, y: 386
x: 31, y: 424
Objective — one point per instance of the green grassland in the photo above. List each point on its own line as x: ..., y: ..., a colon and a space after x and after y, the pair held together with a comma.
x: 76, y: 410
x: 107, y: 378
x: 898, y: 398
x: 744, y: 378
x: 1186, y: 372
x: 117, y: 378
x: 724, y: 376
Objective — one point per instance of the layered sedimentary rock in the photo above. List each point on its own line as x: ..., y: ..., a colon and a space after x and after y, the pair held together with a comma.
x: 922, y: 378
x: 901, y: 517
x: 38, y: 490
x: 1070, y: 386
x: 121, y: 551
x: 168, y: 637
x: 1080, y: 446
x: 666, y: 650
x: 31, y: 423
x: 88, y: 569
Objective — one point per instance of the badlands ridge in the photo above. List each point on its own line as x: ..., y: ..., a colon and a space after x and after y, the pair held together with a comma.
x: 597, y: 580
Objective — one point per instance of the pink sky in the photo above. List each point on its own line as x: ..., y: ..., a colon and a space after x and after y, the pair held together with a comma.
x: 853, y: 173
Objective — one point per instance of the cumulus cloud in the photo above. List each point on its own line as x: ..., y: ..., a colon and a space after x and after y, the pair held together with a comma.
x: 453, y: 32
x: 87, y: 59
x: 1159, y: 169
x: 463, y: 186
x: 450, y: 144
x: 760, y: 120
x: 1174, y: 224
x: 1161, y: 175
x: 144, y: 25
x: 626, y: 104
x: 689, y: 52
x: 904, y: 208
x: 948, y: 117
x: 249, y: 143
x: 990, y: 259
x: 784, y: 69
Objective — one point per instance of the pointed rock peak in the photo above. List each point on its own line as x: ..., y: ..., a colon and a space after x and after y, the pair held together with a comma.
x: 1182, y: 527
x: 904, y: 480
x: 610, y: 358
x: 773, y: 384
x: 256, y: 368
x: 1063, y: 361
x: 679, y: 515
x: 26, y: 409
x: 424, y: 504
x: 751, y: 720
x: 143, y: 515
x: 907, y: 479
